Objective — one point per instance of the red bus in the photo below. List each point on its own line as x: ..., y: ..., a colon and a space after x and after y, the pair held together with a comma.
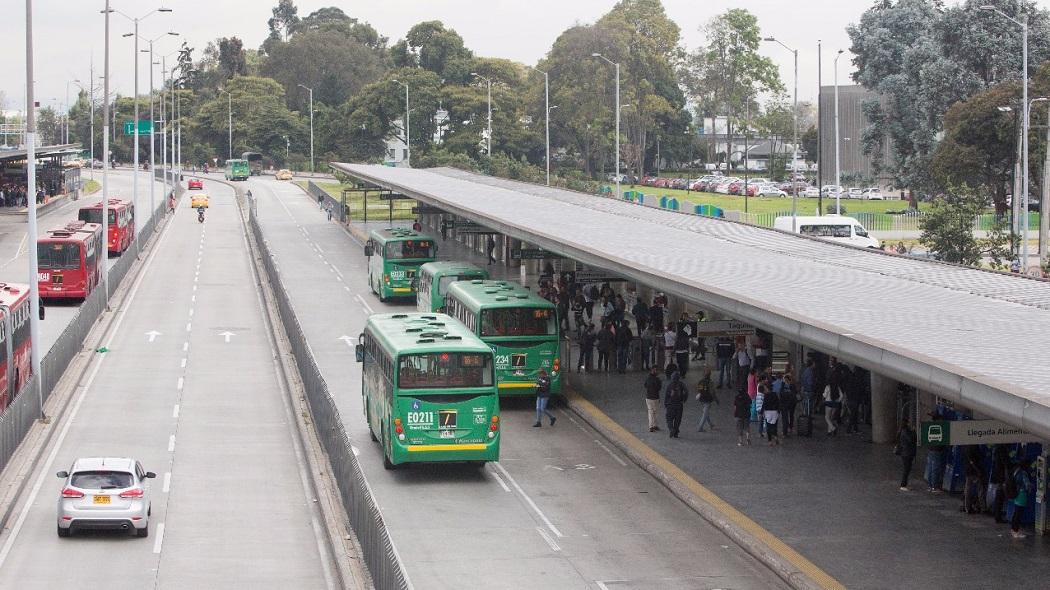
x: 121, y: 223
x: 15, y: 362
x: 69, y: 260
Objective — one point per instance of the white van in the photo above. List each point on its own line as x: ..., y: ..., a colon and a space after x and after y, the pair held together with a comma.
x: 834, y: 228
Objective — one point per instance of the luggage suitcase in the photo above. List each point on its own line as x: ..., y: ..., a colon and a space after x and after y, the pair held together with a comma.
x: 804, y: 425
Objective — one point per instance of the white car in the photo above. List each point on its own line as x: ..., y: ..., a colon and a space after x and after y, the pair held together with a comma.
x: 723, y: 186
x: 855, y: 193
x: 105, y: 493
x: 811, y: 191
x: 873, y: 194
x: 768, y: 189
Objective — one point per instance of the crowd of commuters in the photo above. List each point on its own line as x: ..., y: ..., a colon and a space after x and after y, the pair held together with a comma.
x: 13, y: 194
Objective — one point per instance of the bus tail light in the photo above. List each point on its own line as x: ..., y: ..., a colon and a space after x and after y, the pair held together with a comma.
x: 397, y: 426
x: 132, y: 493
x: 386, y: 278
x: 557, y: 364
x: 71, y: 493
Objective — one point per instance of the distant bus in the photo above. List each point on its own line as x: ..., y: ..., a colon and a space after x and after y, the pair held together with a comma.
x: 429, y: 390
x: 394, y: 256
x: 121, y: 223
x: 237, y: 170
x: 433, y: 279
x: 15, y: 342
x: 69, y: 260
x: 255, y: 162
x: 520, y: 326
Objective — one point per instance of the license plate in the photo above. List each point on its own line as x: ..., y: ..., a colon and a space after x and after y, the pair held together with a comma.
x: 101, y: 500
x: 517, y: 360
x: 447, y: 418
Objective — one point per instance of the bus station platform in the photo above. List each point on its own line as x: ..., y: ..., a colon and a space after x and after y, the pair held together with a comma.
x: 831, y: 503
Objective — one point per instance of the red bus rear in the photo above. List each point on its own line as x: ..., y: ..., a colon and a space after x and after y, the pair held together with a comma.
x: 69, y: 260
x: 15, y: 362
x: 121, y: 223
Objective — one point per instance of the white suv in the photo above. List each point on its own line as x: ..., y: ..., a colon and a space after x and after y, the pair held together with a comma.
x: 105, y: 493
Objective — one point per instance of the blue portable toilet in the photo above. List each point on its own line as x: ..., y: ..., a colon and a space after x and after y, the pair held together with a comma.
x: 673, y: 204
x: 663, y: 202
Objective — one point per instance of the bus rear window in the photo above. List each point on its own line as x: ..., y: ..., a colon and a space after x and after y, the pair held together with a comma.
x: 58, y: 255
x: 519, y: 321
x: 442, y: 370
x: 410, y: 249
x: 90, y: 215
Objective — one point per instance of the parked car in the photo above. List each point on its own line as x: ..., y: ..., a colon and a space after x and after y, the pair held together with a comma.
x: 194, y: 184
x: 105, y: 493
x: 873, y: 194
x: 766, y: 189
x: 855, y: 193
x: 811, y: 192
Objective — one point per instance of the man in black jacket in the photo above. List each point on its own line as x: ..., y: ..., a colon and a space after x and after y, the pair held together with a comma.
x: 653, y: 384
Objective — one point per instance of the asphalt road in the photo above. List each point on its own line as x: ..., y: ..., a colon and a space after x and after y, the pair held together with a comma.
x: 561, y: 509
x: 14, y: 264
x: 200, y: 404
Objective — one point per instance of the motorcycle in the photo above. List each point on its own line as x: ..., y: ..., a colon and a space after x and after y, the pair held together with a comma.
x: 200, y: 214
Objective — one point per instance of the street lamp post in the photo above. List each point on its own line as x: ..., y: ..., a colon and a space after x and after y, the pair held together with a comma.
x: 617, y: 148
x: 838, y: 170
x: 408, y: 126
x: 794, y: 156
x: 1023, y: 23
x: 547, y: 123
x: 229, y: 122
x: 152, y: 133
x: 488, y: 143
x: 287, y: 148
x: 311, y: 91
x: 34, y: 288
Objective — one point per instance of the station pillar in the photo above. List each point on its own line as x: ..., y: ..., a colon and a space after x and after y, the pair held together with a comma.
x: 883, y: 409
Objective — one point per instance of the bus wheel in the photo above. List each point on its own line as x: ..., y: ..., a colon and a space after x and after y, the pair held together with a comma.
x: 386, y: 459
x: 368, y: 420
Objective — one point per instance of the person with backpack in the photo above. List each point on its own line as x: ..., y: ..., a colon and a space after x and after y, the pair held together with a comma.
x: 705, y: 394
x: 742, y: 414
x: 640, y: 311
x: 1018, y: 487
x: 674, y: 403
x: 770, y: 413
x: 653, y: 385
x: 906, y: 450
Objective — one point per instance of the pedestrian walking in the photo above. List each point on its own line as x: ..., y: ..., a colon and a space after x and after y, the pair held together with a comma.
x: 623, y: 346
x: 653, y: 385
x: 491, y: 249
x: 1018, y: 488
x: 681, y: 351
x: 975, y: 485
x: 809, y: 387
x: 416, y: 226
x: 742, y: 414
x: 832, y: 403
x: 640, y: 311
x: 705, y: 394
x: 770, y: 413
x: 669, y: 340
x: 906, y: 450
x: 1000, y: 473
x: 543, y: 396
x: 743, y: 365
x: 606, y: 344
x: 646, y: 339
x: 788, y: 400
x: 587, y: 338
x: 724, y: 356
x: 674, y: 403
x: 328, y: 209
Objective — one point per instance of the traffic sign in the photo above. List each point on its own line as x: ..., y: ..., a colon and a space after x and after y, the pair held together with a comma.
x: 425, y: 209
x: 145, y: 127
x: 972, y: 432
x: 725, y: 328
x: 532, y: 254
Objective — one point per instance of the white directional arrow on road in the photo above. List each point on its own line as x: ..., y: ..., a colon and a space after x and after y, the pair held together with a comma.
x: 152, y: 335
x: 227, y: 335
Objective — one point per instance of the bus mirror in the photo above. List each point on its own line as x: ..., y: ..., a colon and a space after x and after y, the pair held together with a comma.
x: 41, y: 311
x: 359, y: 351
x: 369, y: 250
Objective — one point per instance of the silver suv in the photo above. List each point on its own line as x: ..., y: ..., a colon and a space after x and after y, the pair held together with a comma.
x: 105, y: 493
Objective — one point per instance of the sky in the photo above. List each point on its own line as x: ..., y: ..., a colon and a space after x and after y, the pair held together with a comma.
x: 69, y: 34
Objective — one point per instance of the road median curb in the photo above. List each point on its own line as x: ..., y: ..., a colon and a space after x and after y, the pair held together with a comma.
x: 785, y: 562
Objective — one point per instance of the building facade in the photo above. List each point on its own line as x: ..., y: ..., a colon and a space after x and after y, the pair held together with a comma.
x: 856, y: 167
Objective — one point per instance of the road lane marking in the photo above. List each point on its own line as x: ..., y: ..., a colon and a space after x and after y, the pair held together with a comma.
x: 193, y: 299
x: 191, y: 312
x: 183, y: 363
x: 185, y: 346
x: 160, y: 538
x: 554, y: 546
x: 195, y: 287
x: 528, y: 500
x: 175, y: 411
x: 189, y: 326
x: 46, y: 469
x: 167, y: 482
x: 611, y: 454
x: 171, y: 443
x: 362, y: 300
x: 180, y: 383
x: 500, y: 481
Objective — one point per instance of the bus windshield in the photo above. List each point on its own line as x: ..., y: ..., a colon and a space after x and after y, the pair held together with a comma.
x: 441, y: 370
x: 95, y: 216
x: 409, y: 249
x: 58, y: 255
x: 518, y: 321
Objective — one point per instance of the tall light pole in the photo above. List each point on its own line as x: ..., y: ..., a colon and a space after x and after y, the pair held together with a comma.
x: 229, y: 121
x: 838, y: 170
x: 617, y: 156
x: 287, y: 149
x: 547, y: 112
x: 34, y: 287
x: 105, y: 159
x: 820, y: 121
x: 488, y: 144
x: 135, y: 174
x: 91, y: 114
x: 794, y: 140
x: 152, y: 133
x: 1023, y: 23
x: 311, y: 91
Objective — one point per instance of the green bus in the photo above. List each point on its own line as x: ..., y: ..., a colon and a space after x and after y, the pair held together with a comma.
x: 429, y: 390
x: 394, y: 255
x: 237, y: 169
x: 520, y: 326
x: 433, y: 279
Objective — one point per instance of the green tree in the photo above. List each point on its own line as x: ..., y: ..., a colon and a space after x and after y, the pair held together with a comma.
x: 432, y: 47
x: 285, y: 17
x: 231, y: 57
x: 261, y: 120
x: 948, y: 230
